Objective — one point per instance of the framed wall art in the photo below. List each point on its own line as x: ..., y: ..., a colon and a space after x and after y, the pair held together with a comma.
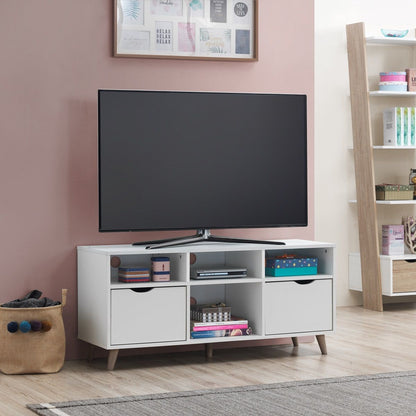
x: 186, y: 29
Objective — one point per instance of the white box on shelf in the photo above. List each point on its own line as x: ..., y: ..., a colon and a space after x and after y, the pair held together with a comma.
x: 392, y: 240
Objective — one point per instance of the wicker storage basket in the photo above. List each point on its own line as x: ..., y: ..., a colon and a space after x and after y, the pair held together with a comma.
x: 33, y: 352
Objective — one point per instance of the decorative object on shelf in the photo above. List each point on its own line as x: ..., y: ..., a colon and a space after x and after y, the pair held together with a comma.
x: 412, y: 180
x: 291, y: 265
x: 192, y: 258
x: 392, y: 238
x: 191, y: 29
x: 393, y: 76
x: 411, y: 79
x: 394, y: 86
x: 399, y: 126
x: 210, y: 313
x: 409, y: 224
x: 394, y: 192
x: 393, y: 81
x: 160, y: 269
x: 394, y: 33
x: 115, y: 261
x: 133, y: 274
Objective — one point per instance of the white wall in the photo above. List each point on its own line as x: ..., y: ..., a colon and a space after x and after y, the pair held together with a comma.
x: 334, y: 170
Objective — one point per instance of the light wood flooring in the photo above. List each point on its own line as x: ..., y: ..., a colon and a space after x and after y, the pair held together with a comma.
x: 365, y: 342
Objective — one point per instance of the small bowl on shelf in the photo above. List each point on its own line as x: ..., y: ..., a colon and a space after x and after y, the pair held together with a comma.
x: 394, y: 33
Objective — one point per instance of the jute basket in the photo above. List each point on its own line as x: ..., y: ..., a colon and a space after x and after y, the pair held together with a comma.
x: 33, y: 352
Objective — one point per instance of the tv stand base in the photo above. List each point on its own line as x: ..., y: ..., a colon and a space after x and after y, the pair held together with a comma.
x: 202, y: 235
x: 209, y: 351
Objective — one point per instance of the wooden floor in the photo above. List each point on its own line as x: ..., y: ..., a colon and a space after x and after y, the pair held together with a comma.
x: 365, y: 342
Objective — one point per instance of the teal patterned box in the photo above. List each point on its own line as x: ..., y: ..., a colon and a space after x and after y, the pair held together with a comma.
x: 291, y: 266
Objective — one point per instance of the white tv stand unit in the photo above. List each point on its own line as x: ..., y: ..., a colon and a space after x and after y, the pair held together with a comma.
x: 114, y: 315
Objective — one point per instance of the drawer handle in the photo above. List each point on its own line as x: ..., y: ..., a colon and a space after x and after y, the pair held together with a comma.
x: 304, y: 282
x: 142, y: 289
x: 410, y: 261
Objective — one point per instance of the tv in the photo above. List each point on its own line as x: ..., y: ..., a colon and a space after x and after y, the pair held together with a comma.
x: 176, y: 160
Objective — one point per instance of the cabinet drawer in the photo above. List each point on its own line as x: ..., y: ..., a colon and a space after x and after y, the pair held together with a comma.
x: 404, y: 276
x: 148, y: 315
x: 298, y: 306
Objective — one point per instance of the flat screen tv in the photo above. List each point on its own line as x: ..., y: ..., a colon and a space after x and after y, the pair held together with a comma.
x: 201, y: 160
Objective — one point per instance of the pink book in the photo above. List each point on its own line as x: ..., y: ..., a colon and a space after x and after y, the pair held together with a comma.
x: 219, y: 327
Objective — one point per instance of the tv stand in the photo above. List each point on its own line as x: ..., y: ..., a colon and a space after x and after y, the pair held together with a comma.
x: 202, y: 235
x: 114, y: 316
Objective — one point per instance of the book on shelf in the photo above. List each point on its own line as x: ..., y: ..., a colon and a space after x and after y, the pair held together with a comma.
x: 232, y: 321
x: 221, y: 333
x: 215, y: 327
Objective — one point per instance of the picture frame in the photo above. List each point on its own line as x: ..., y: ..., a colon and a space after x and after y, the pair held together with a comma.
x: 224, y: 30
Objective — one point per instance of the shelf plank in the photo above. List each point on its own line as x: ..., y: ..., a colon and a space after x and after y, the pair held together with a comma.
x: 379, y: 40
x: 377, y: 147
x: 406, y: 256
x: 115, y: 284
x: 398, y: 202
x: 231, y: 281
x: 394, y: 147
x: 225, y: 339
x: 392, y: 93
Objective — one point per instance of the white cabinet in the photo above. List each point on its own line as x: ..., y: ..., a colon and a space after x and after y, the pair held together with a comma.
x: 114, y: 315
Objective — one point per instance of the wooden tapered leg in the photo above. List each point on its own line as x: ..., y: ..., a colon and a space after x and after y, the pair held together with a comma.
x: 208, y: 351
x: 295, y: 341
x: 112, y: 358
x: 321, y: 343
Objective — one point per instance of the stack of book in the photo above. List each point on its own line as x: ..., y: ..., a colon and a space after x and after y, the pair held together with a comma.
x: 232, y: 328
x: 133, y: 274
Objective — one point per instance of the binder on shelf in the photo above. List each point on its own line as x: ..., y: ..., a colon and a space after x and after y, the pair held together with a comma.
x: 399, y: 126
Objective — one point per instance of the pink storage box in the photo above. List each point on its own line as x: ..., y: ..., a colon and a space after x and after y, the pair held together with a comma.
x: 392, y: 237
x: 392, y: 76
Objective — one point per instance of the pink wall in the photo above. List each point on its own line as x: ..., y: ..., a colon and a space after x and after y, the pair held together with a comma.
x: 54, y: 57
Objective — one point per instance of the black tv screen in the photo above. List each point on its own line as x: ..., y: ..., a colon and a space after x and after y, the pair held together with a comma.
x: 201, y: 160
